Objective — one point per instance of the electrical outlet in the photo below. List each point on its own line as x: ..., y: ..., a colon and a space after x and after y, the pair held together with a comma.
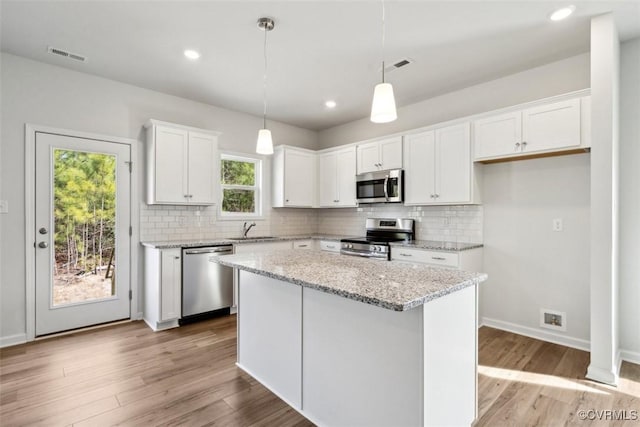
x: 552, y: 319
x: 557, y: 224
x: 4, y: 206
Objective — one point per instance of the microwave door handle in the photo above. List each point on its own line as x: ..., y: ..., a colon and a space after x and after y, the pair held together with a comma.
x: 386, y: 183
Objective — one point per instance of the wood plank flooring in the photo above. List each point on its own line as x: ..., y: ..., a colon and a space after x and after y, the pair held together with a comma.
x: 128, y: 375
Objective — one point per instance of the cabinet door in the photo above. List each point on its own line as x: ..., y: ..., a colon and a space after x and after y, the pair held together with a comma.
x: 171, y: 165
x: 327, y: 175
x: 551, y: 126
x: 170, y: 284
x: 497, y: 135
x: 368, y: 157
x: 391, y: 153
x: 346, y: 177
x: 299, y: 178
x: 419, y: 172
x: 203, y: 168
x: 453, y: 164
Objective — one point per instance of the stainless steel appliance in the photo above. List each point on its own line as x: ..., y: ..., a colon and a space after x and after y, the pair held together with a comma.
x: 380, y: 232
x: 380, y: 186
x: 206, y: 286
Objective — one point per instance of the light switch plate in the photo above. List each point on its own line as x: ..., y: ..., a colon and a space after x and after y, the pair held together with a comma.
x: 4, y: 206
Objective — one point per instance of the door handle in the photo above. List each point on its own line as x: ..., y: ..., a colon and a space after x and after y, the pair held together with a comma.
x: 386, y: 192
x: 43, y: 245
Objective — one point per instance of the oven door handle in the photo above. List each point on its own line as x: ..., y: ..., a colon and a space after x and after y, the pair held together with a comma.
x: 386, y: 184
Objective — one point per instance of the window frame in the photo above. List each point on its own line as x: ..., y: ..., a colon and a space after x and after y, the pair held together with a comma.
x: 257, y: 188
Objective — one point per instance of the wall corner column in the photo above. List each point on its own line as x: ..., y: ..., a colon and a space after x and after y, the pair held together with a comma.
x: 605, y: 72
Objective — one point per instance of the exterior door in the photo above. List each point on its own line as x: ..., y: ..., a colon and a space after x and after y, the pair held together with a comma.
x: 82, y: 220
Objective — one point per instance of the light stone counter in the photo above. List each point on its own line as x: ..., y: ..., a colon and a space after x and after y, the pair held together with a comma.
x: 393, y: 285
x: 434, y: 245
x: 227, y: 241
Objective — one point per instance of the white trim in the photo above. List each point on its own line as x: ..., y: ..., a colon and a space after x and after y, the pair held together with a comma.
x: 10, y: 340
x: 602, y: 375
x: 29, y: 171
x: 154, y: 122
x: 551, y: 337
x: 630, y: 356
x: 257, y: 188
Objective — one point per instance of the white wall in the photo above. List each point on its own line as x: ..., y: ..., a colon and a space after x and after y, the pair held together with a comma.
x: 37, y: 93
x: 558, y: 77
x: 630, y: 199
x: 605, y: 74
x: 529, y: 265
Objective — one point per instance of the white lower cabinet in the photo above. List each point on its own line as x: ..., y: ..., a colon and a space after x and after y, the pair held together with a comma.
x: 329, y: 246
x: 163, y: 286
x: 303, y: 244
x: 468, y: 260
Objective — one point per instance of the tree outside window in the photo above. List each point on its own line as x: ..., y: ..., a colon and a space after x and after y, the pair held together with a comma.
x: 240, y: 182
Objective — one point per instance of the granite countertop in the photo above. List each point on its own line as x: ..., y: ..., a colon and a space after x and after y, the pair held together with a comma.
x: 437, y: 245
x: 393, y: 285
x: 228, y: 241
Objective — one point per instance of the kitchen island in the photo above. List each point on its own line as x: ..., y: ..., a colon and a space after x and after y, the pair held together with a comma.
x: 348, y: 341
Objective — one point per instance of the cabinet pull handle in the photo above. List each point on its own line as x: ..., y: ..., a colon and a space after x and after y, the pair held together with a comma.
x: 438, y: 258
x: 176, y: 257
x: 331, y: 246
x: 302, y: 246
x: 403, y: 254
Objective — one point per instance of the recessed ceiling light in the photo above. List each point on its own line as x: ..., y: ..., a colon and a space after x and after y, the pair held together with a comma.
x: 192, y: 54
x: 330, y: 104
x: 562, y: 13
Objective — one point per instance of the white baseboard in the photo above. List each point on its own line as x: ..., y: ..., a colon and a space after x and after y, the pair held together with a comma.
x: 137, y: 316
x: 630, y: 356
x: 13, y: 340
x: 527, y: 331
x: 602, y: 375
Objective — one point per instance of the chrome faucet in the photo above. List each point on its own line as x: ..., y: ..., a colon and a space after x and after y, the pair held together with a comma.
x: 246, y: 229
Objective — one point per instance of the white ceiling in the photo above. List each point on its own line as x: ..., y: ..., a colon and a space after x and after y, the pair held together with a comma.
x: 319, y: 50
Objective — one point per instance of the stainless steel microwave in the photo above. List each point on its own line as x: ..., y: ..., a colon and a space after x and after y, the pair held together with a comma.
x: 380, y: 186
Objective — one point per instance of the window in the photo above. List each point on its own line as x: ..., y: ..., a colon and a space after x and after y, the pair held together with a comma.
x: 240, y: 179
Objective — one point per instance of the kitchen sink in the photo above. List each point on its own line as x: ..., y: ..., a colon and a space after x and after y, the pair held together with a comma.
x: 252, y: 238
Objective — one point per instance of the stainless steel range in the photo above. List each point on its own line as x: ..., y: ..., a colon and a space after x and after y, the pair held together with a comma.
x: 380, y: 232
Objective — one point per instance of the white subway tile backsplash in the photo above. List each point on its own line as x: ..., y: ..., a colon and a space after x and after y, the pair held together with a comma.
x: 446, y: 223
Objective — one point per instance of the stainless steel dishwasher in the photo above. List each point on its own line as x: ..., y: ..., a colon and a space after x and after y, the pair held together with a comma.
x: 206, y: 286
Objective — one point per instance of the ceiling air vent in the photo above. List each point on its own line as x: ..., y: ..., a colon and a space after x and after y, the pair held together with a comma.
x: 66, y: 54
x: 403, y: 62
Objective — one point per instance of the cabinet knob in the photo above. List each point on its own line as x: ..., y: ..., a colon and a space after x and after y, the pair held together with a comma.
x: 517, y: 146
x: 524, y: 144
x: 176, y: 257
x: 286, y: 200
x: 436, y: 195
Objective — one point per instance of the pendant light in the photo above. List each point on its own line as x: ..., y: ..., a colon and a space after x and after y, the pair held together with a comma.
x: 383, y: 107
x: 265, y: 143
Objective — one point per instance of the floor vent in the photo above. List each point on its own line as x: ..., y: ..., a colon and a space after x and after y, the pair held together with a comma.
x: 66, y: 54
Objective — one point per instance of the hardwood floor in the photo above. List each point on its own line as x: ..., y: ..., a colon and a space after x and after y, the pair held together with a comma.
x: 128, y: 375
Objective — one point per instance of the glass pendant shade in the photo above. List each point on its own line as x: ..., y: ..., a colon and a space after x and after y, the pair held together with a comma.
x: 264, y: 144
x: 383, y: 108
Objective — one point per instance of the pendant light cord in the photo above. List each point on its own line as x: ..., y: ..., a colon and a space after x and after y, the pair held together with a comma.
x: 264, y: 82
x: 383, y: 40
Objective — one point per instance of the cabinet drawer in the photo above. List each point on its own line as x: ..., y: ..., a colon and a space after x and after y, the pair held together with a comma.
x: 442, y: 259
x: 303, y: 244
x: 329, y: 246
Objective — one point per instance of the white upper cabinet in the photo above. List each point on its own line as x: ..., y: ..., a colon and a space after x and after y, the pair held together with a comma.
x: 380, y: 155
x: 337, y: 178
x: 438, y: 167
x: 553, y: 127
x: 550, y: 126
x: 498, y: 135
x: 182, y: 165
x: 294, y: 177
